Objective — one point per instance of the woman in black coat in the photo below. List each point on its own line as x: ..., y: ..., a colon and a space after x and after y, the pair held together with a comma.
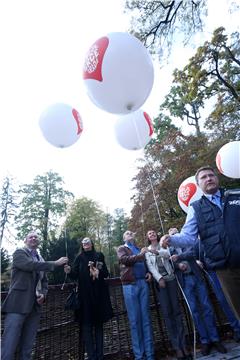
x: 89, y: 270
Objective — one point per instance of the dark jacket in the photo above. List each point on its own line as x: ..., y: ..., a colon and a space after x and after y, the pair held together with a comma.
x: 189, y: 255
x: 126, y: 261
x: 219, y: 230
x: 94, y: 298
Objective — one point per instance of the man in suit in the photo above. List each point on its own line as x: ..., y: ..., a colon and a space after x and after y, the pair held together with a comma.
x: 27, y: 292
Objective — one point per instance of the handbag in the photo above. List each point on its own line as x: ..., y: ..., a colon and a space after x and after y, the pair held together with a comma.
x: 72, y: 302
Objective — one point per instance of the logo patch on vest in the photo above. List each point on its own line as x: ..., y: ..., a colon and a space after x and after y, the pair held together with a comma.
x: 234, y: 202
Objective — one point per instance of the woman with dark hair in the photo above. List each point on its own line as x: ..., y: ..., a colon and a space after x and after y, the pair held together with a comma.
x: 89, y: 270
x: 161, y: 268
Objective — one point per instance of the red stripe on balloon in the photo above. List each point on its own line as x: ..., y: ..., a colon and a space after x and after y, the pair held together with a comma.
x: 218, y: 162
x: 149, y: 121
x: 78, y: 120
x: 93, y: 64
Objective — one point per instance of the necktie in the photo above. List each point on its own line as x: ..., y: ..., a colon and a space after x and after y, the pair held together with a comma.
x: 35, y: 255
x: 216, y: 200
x: 36, y: 258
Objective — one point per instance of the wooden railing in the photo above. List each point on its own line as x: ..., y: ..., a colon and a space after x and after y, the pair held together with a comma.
x: 59, y: 337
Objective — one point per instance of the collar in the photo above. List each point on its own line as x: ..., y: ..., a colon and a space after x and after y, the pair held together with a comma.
x: 211, y: 196
x: 31, y: 251
x: 130, y: 245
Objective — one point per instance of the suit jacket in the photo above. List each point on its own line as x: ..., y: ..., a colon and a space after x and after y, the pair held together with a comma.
x: 21, y: 296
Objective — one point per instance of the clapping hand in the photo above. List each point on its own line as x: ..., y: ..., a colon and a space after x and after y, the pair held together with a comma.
x: 94, y: 272
x: 144, y: 250
x: 67, y: 269
x: 164, y: 241
x: 174, y: 257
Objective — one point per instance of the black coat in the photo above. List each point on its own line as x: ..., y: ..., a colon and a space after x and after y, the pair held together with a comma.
x: 95, y: 303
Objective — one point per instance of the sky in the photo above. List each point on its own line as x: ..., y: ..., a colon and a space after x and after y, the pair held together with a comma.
x: 43, y: 47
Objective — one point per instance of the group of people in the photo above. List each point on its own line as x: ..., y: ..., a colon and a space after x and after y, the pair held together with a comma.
x: 210, y: 237
x: 209, y: 240
x: 28, y: 290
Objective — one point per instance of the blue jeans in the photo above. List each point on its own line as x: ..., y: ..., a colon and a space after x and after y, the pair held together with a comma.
x: 204, y: 319
x: 136, y: 297
x: 233, y: 321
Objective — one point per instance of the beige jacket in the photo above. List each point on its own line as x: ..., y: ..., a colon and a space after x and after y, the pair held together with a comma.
x: 152, y: 262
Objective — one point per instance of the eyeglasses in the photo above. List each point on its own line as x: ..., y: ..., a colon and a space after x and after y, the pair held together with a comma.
x: 86, y: 241
x: 128, y: 233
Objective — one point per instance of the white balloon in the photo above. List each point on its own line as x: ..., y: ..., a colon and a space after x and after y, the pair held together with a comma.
x: 134, y: 131
x: 228, y: 159
x: 188, y: 192
x: 61, y: 125
x: 118, y: 73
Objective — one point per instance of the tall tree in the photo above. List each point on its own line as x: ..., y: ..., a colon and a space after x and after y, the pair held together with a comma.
x: 62, y: 245
x: 214, y: 73
x: 43, y: 204
x: 159, y: 23
x: 8, y: 205
x: 168, y: 162
x: 86, y: 218
x: 118, y: 227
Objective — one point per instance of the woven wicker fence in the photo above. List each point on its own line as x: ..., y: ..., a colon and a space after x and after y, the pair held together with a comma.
x: 59, y: 337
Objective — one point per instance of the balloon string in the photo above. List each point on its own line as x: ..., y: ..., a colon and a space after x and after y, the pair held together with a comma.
x: 149, y: 177
x: 142, y: 217
x: 138, y: 134
x: 188, y: 307
x: 66, y: 244
x: 154, y: 196
x: 66, y: 253
x: 161, y: 222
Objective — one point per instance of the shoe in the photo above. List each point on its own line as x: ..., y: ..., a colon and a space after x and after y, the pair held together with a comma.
x: 179, y: 354
x: 219, y: 346
x: 187, y: 354
x: 236, y: 336
x: 205, y: 349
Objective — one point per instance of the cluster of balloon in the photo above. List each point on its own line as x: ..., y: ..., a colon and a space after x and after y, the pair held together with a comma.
x: 118, y: 73
x: 134, y: 131
x: 188, y: 192
x: 228, y: 159
x: 61, y: 125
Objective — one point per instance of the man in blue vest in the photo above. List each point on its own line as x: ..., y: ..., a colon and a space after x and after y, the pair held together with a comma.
x: 215, y: 220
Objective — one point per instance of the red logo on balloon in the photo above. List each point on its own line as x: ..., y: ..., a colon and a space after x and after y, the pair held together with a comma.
x: 218, y: 162
x: 149, y: 121
x: 186, y: 192
x: 93, y: 64
x: 78, y: 119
